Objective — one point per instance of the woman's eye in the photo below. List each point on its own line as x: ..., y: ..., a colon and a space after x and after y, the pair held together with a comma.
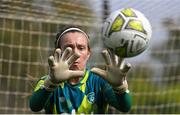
x: 81, y: 48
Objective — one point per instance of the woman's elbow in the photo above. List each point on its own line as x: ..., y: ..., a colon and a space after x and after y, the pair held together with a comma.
x: 126, y: 109
x: 34, y: 106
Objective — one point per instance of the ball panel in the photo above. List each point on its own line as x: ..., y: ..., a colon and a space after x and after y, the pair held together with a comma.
x: 135, y: 25
x: 117, y: 25
x: 121, y: 51
x: 128, y: 12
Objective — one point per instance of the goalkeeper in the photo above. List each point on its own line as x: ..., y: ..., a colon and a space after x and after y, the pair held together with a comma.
x: 70, y: 87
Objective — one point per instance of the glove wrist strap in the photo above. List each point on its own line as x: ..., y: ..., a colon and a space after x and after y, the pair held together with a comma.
x: 49, y: 85
x: 122, y: 88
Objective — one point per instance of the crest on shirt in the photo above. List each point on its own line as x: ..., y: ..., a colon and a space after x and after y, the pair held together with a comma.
x: 91, y: 97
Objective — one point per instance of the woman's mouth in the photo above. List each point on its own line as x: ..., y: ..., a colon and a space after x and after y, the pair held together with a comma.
x: 75, y: 63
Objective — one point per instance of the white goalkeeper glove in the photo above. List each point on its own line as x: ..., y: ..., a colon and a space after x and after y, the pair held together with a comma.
x: 114, y: 71
x: 59, y: 68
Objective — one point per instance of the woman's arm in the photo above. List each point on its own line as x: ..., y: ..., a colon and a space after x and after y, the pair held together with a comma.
x: 39, y: 97
x: 121, y: 101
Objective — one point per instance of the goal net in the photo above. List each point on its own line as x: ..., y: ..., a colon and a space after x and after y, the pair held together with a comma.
x: 27, y: 35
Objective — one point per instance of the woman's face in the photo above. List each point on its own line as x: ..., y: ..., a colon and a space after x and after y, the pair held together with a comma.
x: 79, y: 44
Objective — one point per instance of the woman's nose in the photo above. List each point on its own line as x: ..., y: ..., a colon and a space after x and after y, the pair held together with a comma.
x: 75, y: 50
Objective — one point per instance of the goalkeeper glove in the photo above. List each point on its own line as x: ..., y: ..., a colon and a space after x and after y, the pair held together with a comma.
x: 114, y: 71
x: 59, y: 68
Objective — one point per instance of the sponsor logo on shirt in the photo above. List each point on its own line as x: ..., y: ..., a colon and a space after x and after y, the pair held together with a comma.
x: 91, y: 97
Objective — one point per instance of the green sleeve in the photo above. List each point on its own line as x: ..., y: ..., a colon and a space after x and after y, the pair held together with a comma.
x: 39, y: 97
x: 121, y: 102
x: 125, y: 102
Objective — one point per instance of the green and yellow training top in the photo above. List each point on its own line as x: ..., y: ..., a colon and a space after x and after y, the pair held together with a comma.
x: 92, y: 95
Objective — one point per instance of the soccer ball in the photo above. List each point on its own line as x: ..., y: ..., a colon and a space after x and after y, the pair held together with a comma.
x: 126, y: 32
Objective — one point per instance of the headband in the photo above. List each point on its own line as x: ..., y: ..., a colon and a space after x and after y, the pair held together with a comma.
x: 68, y: 30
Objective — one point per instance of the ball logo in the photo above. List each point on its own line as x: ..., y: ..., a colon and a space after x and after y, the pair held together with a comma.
x: 91, y: 97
